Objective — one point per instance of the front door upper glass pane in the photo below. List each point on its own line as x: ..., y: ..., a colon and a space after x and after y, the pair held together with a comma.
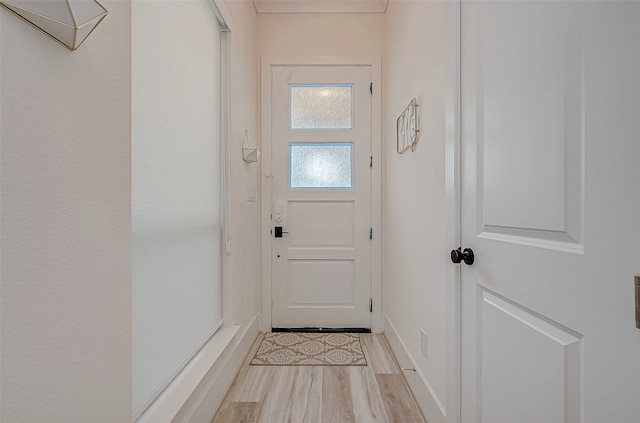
x: 321, y: 166
x: 318, y: 107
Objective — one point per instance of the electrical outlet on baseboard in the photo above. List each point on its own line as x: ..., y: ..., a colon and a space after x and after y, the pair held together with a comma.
x: 424, y: 343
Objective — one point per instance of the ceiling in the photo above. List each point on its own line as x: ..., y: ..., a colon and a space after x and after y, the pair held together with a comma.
x: 320, y: 6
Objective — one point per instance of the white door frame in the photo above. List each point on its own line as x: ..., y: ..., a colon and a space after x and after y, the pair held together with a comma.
x: 376, y: 175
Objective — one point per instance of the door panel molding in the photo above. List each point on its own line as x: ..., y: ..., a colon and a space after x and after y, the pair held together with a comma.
x: 340, y: 213
x: 533, y: 342
x: 322, y: 292
x: 510, y: 142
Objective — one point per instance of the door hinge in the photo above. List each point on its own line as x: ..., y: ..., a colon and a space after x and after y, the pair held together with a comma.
x: 371, y: 161
x: 371, y: 87
x: 370, y: 233
x: 370, y: 305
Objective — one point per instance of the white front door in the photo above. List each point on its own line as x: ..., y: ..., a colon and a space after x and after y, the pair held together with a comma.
x: 321, y: 196
x: 551, y: 196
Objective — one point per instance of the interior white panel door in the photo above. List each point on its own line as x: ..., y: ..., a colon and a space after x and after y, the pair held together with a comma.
x: 550, y: 194
x: 321, y: 196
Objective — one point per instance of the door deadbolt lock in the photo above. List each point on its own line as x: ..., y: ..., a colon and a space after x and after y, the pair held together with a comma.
x: 277, y: 232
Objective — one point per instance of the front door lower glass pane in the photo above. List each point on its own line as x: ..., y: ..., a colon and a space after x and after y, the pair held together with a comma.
x: 321, y: 166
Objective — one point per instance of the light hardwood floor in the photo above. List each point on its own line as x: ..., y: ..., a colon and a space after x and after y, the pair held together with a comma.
x: 375, y: 393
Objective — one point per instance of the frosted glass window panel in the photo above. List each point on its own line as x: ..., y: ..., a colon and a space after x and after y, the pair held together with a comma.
x: 321, y: 166
x: 321, y: 107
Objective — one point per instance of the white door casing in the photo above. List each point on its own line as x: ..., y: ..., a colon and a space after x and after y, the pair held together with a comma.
x: 550, y: 99
x: 320, y: 273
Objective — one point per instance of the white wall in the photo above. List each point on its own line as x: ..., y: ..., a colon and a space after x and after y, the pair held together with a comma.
x: 243, y: 265
x: 419, y: 279
x: 355, y: 34
x: 65, y: 242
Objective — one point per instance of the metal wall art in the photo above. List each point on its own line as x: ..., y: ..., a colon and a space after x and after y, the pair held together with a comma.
x: 407, y: 130
x: 67, y: 21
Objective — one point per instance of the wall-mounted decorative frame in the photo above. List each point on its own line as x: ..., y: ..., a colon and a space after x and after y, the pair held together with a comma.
x: 69, y: 22
x: 407, y: 130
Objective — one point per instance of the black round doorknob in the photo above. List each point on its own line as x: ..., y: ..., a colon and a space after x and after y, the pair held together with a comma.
x: 460, y: 255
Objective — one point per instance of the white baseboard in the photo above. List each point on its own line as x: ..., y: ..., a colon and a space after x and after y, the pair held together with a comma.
x: 432, y: 407
x: 195, y: 395
x: 214, y: 387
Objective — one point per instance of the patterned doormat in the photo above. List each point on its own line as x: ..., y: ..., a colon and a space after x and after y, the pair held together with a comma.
x: 310, y: 349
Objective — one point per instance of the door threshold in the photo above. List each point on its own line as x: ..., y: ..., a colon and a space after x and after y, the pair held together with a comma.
x: 323, y: 330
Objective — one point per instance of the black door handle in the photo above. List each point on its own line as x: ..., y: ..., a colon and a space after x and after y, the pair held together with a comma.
x: 278, y: 232
x: 465, y: 255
